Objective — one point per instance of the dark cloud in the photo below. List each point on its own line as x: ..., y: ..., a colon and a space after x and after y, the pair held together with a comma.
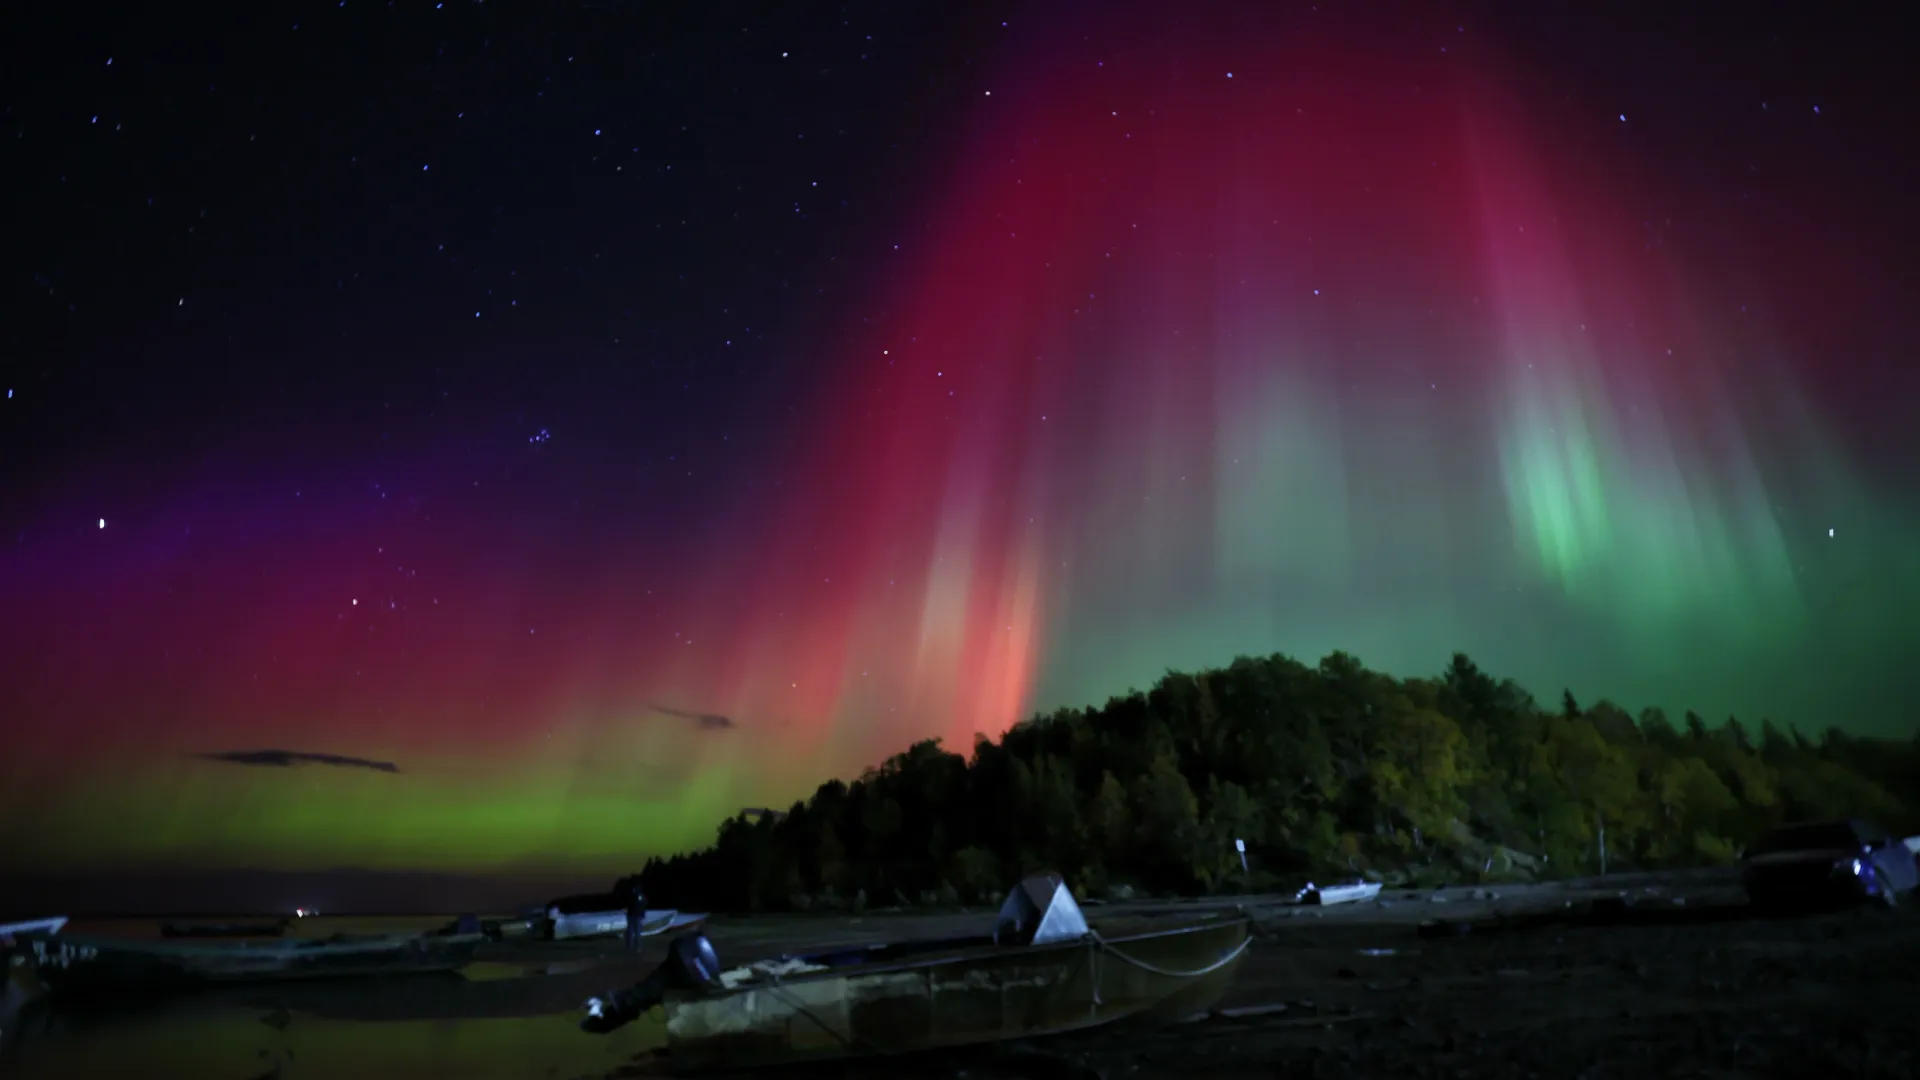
x: 705, y: 721
x: 287, y: 759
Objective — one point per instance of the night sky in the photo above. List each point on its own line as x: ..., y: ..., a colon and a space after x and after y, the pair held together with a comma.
x: 478, y: 435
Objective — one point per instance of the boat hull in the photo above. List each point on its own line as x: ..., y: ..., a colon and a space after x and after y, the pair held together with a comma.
x: 979, y: 996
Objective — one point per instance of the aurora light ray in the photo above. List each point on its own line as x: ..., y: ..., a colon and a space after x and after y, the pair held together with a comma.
x: 1628, y: 473
x: 1181, y: 367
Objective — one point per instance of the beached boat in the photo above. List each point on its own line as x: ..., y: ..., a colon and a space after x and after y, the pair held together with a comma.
x: 1350, y: 893
x: 1043, y: 971
x: 515, y: 928
x: 592, y: 916
x: 68, y: 964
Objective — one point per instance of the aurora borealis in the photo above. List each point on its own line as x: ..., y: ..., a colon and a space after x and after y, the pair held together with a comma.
x: 1264, y: 334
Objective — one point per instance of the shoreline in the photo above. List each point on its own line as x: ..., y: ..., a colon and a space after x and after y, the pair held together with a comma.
x: 1513, y: 891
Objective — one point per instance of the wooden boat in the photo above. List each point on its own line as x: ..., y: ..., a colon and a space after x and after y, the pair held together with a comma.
x: 1052, y: 975
x: 67, y: 964
x: 224, y: 930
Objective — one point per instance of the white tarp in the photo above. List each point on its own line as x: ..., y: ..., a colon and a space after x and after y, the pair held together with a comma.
x: 1039, y: 911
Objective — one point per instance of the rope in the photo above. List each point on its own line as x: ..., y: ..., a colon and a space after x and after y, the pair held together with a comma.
x: 1103, y: 945
x: 1093, y: 967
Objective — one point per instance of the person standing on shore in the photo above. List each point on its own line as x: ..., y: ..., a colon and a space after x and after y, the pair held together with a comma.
x: 636, y: 914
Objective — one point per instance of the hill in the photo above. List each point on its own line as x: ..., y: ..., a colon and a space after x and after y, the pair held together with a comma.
x: 1331, y: 768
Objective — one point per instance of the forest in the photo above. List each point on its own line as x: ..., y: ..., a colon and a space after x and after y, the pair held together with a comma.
x: 1331, y: 770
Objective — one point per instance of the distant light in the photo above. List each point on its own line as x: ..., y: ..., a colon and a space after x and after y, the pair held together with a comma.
x: 1229, y: 74
x: 103, y: 523
x: 1829, y: 534
x: 355, y: 602
x: 1623, y: 118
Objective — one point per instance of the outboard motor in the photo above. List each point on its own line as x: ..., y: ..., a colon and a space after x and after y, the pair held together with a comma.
x: 691, y: 963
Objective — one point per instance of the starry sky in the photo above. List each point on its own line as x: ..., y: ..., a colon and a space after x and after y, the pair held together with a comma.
x: 477, y: 436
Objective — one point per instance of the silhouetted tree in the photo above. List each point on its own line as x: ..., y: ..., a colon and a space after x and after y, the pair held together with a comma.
x: 1330, y: 768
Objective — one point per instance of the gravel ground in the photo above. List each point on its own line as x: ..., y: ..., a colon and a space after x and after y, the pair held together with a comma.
x: 1683, y: 983
x: 1827, y: 996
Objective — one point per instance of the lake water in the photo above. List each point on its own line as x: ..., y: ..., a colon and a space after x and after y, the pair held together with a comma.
x: 284, y: 1031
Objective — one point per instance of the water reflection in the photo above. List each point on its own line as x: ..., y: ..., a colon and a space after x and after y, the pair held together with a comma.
x: 212, y: 1040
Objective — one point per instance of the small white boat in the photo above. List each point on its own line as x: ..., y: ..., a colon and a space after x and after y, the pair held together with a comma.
x: 1339, y: 894
x: 585, y: 924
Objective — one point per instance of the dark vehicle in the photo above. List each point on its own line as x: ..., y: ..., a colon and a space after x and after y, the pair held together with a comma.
x: 1828, y: 863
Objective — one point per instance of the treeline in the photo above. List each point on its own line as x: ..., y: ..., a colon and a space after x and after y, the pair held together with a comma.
x: 1330, y: 769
